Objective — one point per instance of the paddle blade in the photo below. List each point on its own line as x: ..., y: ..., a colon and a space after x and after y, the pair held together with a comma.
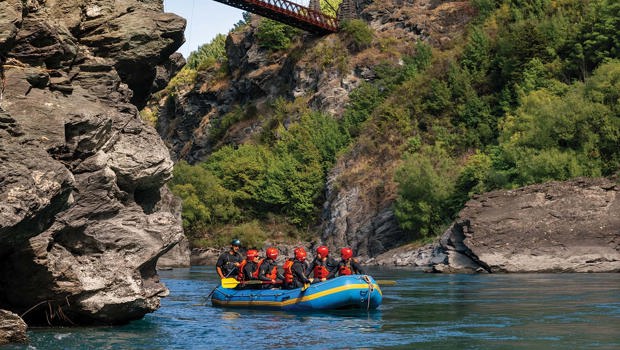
x: 229, y: 282
x: 386, y: 282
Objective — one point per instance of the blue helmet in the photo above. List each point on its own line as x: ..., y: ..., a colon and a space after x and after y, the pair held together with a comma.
x: 235, y: 242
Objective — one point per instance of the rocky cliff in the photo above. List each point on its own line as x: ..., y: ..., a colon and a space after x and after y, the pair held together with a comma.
x: 84, y: 214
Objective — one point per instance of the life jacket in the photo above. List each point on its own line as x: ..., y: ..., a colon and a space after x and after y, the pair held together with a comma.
x: 288, y: 271
x: 255, y: 273
x: 345, y: 268
x: 240, y: 276
x: 274, y: 272
x: 320, y: 271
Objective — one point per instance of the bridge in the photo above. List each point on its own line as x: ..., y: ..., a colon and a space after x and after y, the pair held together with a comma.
x: 295, y: 15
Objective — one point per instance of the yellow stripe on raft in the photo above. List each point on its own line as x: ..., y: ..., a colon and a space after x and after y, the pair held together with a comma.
x: 299, y: 300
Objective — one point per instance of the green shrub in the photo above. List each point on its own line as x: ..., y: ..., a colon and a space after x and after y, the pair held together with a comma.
x: 274, y: 35
x: 330, y: 7
x: 473, y: 179
x: 598, y: 38
x: 185, y: 77
x: 209, y: 54
x: 251, y: 234
x: 205, y: 200
x: 358, y: 33
x: 150, y: 115
x: 362, y: 102
x: 426, y: 182
x: 553, y: 137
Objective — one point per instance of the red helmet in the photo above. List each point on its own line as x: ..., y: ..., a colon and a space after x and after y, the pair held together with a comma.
x: 251, y: 254
x: 322, y: 250
x: 272, y: 253
x: 300, y: 254
x: 346, y: 253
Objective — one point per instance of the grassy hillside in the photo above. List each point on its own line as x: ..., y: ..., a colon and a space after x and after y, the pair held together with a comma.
x: 531, y: 94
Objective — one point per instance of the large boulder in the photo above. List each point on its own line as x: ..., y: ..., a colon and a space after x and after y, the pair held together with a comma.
x: 84, y: 213
x: 12, y: 328
x: 571, y: 226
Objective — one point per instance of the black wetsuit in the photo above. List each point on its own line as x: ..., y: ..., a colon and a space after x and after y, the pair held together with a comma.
x: 249, y: 269
x: 299, y: 274
x: 227, y: 261
x: 265, y: 268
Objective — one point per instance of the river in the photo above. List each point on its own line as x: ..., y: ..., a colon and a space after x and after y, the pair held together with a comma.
x: 422, y: 311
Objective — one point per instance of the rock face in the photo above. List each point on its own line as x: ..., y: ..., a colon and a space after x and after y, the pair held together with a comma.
x: 12, y: 328
x: 83, y: 209
x: 360, y: 188
x: 554, y: 227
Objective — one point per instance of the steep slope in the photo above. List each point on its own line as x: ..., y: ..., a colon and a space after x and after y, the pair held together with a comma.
x: 380, y: 134
x: 319, y: 72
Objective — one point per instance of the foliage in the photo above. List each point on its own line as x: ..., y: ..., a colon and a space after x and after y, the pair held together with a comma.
x: 331, y: 54
x: 150, y: 115
x: 558, y: 137
x: 473, y: 179
x: 425, y: 183
x: 205, y: 200
x: 237, y: 114
x: 184, y: 77
x: 365, y: 99
x: 358, y: 33
x: 330, y: 7
x: 209, y: 54
x: 288, y: 176
x: 274, y: 35
x: 598, y: 38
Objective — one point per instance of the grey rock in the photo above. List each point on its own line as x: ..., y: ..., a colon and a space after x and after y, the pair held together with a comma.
x: 12, y: 328
x: 137, y: 36
x: 570, y: 226
x: 83, y: 211
x: 10, y: 20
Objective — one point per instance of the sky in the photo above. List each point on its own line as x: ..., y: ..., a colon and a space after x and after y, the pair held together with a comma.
x: 205, y: 19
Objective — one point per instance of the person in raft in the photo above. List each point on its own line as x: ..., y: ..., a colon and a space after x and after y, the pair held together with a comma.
x: 229, y: 261
x: 322, y: 265
x: 348, y: 265
x: 295, y: 270
x: 248, y: 269
x: 268, y: 271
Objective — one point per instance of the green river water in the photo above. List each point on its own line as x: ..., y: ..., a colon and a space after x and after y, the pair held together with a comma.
x: 422, y: 311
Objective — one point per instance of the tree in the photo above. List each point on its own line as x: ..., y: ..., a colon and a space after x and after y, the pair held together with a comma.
x: 426, y: 181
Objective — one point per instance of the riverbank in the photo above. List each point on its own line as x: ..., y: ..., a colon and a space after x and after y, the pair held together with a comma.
x: 570, y: 226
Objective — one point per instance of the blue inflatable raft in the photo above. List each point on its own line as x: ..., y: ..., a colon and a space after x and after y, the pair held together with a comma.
x: 344, y: 292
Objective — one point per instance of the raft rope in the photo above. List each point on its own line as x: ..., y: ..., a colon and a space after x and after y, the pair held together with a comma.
x: 371, y: 288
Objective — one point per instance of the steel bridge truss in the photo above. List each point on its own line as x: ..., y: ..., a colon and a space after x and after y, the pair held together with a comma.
x: 288, y: 12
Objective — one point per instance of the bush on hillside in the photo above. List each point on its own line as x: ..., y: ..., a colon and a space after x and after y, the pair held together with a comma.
x: 426, y: 182
x: 205, y: 200
x: 358, y: 33
x: 558, y: 137
x: 209, y: 54
x: 274, y: 35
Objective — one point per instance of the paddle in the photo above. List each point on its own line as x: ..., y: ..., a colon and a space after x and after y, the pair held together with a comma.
x: 386, y: 282
x: 213, y: 290
x: 230, y: 283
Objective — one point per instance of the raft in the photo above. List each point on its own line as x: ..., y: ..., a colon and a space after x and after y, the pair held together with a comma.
x: 343, y: 292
